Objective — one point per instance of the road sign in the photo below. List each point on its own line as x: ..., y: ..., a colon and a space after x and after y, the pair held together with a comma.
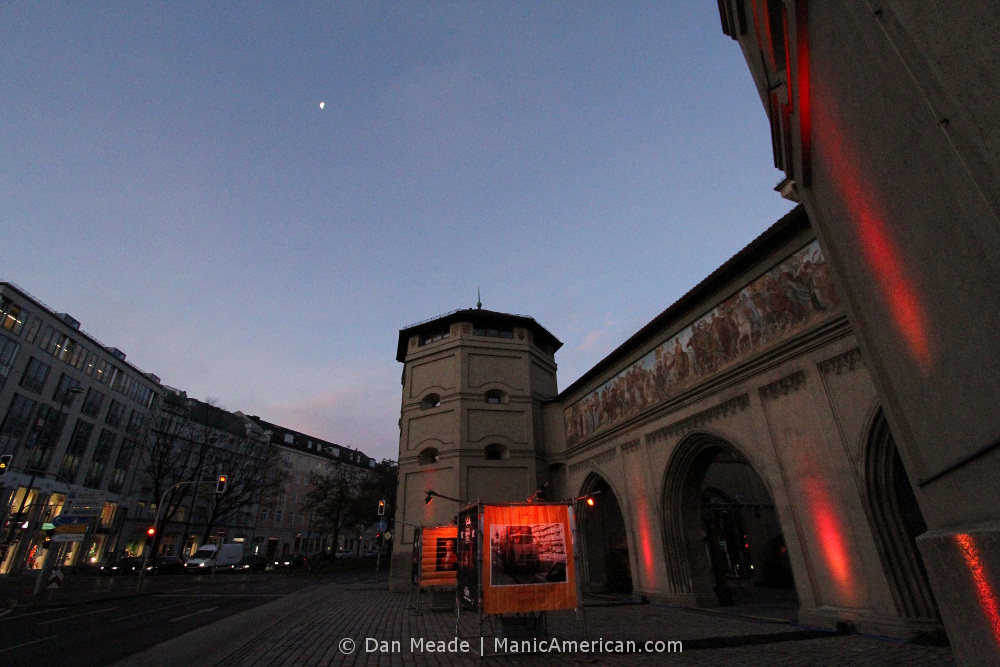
x: 55, y: 580
x: 70, y: 520
x: 380, y: 526
x: 84, y: 503
x: 68, y: 537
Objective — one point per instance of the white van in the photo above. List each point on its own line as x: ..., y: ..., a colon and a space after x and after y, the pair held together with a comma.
x: 210, y: 557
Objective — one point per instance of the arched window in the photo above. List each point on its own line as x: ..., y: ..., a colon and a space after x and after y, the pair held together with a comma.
x: 430, y: 401
x: 496, y: 396
x: 496, y: 452
x: 427, y: 456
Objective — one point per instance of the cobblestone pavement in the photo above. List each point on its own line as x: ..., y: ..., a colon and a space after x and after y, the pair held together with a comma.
x: 364, y: 616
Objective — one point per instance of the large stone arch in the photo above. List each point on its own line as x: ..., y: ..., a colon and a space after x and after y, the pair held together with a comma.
x: 689, y: 564
x: 897, y: 522
x: 604, y: 539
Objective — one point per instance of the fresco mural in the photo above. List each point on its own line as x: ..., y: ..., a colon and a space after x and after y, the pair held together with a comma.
x: 793, y: 295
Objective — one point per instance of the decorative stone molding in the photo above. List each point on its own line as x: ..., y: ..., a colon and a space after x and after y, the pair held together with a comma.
x: 725, y: 409
x: 784, y: 386
x: 595, y: 460
x: 844, y: 363
x: 631, y: 445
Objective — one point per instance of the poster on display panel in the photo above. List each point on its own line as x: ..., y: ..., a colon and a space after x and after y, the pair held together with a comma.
x: 469, y: 538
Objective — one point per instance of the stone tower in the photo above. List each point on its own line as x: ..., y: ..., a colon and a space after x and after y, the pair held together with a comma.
x: 471, y: 425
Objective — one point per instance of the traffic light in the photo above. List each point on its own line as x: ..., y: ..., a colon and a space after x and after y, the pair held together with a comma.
x: 378, y: 538
x: 381, y: 507
x: 150, y: 532
x: 220, y: 486
x: 5, y: 463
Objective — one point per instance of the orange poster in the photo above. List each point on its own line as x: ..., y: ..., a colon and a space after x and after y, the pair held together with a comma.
x: 528, y: 563
x: 439, y: 556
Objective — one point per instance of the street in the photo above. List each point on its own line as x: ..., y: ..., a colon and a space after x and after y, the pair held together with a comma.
x: 100, y: 633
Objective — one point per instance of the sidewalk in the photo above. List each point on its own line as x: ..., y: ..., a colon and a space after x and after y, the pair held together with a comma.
x: 337, y: 624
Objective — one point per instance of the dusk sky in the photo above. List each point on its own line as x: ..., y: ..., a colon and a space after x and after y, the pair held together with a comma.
x: 168, y: 178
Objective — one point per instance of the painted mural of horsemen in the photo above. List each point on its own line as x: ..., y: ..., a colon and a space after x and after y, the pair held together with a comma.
x: 781, y: 301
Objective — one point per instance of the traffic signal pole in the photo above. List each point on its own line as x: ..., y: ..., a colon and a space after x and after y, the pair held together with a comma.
x: 220, y: 486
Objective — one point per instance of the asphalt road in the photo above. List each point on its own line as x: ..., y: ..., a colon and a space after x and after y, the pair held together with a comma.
x: 101, y: 633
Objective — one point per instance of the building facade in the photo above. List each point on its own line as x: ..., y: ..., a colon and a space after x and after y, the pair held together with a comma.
x: 883, y: 121
x: 737, y: 444
x: 286, y: 524
x: 74, y: 414
x: 189, y: 446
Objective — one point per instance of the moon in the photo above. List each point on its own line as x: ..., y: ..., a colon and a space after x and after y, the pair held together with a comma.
x: 322, y: 104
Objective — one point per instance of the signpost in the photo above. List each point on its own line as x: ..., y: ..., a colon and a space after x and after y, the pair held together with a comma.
x: 55, y: 580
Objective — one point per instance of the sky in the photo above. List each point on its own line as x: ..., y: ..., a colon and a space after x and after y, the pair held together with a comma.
x: 168, y: 178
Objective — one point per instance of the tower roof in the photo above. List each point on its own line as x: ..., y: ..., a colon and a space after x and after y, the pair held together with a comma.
x: 478, y: 316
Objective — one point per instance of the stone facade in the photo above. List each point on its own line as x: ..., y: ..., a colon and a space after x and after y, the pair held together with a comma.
x: 883, y: 120
x: 743, y: 412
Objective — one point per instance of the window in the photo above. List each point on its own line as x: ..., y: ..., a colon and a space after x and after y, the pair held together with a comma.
x: 122, y: 464
x: 15, y: 423
x: 434, y: 336
x: 427, y: 456
x: 76, y: 449
x: 35, y: 375
x: 8, y: 354
x: 44, y: 435
x: 115, y: 414
x: 92, y: 405
x: 102, y: 454
x: 263, y: 515
x: 11, y: 316
x: 289, y: 438
x: 277, y: 518
x: 79, y: 357
x: 91, y: 361
x: 63, y: 394
x: 136, y: 422
x: 430, y: 401
x: 492, y: 333
x: 100, y: 371
x: 33, y: 330
x: 496, y: 396
x: 295, y: 497
x: 496, y: 452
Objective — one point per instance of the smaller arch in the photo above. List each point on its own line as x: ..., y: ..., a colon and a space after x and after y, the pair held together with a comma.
x: 496, y: 452
x: 427, y: 456
x: 604, y: 539
x: 430, y: 401
x: 497, y: 396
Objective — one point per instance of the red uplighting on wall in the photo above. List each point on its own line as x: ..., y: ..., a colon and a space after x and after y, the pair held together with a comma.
x: 830, y: 532
x: 645, y: 529
x: 985, y: 593
x: 877, y: 244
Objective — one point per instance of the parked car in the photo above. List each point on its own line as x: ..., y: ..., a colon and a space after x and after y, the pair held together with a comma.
x: 165, y: 565
x: 252, y: 564
x: 123, y: 566
x: 344, y: 553
x: 291, y: 560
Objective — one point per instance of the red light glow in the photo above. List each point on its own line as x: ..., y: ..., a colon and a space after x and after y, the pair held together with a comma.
x: 831, y: 538
x: 987, y: 597
x: 877, y: 245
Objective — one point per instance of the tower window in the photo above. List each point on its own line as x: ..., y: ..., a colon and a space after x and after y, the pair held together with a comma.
x: 430, y: 401
x: 496, y: 452
x: 434, y: 336
x: 496, y: 396
x: 427, y: 456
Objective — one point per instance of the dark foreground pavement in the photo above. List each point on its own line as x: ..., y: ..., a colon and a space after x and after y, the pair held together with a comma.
x: 364, y: 624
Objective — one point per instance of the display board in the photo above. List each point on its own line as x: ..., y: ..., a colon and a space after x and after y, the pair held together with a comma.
x: 438, y: 556
x: 527, y: 558
x: 469, y: 534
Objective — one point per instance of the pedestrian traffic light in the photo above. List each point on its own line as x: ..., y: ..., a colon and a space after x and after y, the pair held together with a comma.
x: 5, y: 463
x: 381, y: 507
x: 220, y: 486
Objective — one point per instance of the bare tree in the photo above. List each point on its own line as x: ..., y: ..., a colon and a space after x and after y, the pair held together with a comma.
x: 347, y: 496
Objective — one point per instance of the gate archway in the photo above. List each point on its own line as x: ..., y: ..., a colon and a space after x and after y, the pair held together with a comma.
x: 604, y: 540
x: 897, y: 523
x: 722, y: 537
